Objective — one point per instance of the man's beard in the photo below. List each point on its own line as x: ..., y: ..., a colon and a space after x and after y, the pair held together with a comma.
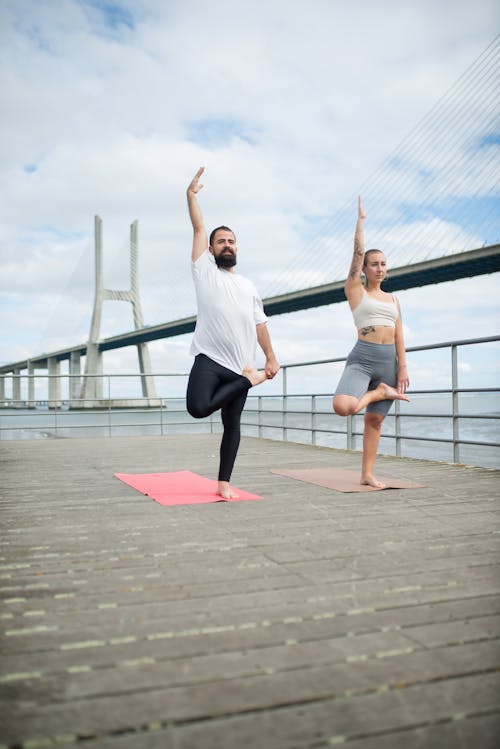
x: 225, y: 260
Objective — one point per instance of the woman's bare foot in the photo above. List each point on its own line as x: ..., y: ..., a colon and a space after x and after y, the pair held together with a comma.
x: 370, y: 480
x: 254, y: 375
x: 225, y: 491
x: 390, y: 393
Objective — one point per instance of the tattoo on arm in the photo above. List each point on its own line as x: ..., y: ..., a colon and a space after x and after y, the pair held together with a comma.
x: 357, y: 259
x: 369, y: 329
x: 355, y: 269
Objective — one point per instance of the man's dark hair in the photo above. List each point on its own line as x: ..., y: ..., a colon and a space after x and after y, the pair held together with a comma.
x: 212, y: 234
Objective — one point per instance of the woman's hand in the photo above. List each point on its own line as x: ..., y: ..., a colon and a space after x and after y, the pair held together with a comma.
x: 403, y: 380
x: 361, y: 210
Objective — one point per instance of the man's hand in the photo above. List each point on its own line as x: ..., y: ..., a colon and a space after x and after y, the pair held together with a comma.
x: 200, y: 239
x: 194, y: 185
x: 271, y: 368
x: 361, y: 210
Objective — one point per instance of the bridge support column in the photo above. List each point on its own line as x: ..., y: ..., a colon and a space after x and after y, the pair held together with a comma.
x: 147, y: 381
x: 16, y: 388
x: 2, y: 390
x: 92, y: 389
x: 54, y: 382
x: 31, y: 385
x: 92, y: 386
x: 74, y: 378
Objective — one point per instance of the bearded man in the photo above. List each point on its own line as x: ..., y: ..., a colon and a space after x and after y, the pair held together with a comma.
x: 230, y: 322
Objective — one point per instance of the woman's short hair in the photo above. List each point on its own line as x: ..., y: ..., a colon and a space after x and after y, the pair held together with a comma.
x: 367, y: 253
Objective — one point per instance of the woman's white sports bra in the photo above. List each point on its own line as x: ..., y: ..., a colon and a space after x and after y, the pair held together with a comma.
x: 372, y: 311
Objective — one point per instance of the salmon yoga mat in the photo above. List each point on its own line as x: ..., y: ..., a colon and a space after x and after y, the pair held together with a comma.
x: 342, y: 480
x: 179, y: 488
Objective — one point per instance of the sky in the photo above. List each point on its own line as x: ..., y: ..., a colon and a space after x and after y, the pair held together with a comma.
x: 293, y: 108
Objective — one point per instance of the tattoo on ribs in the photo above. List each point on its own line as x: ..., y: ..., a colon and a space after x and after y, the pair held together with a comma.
x: 369, y: 329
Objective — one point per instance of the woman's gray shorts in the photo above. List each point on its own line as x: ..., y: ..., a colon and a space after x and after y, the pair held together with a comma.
x: 367, y: 366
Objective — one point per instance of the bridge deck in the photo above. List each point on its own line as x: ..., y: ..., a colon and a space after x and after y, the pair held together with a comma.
x: 308, y: 619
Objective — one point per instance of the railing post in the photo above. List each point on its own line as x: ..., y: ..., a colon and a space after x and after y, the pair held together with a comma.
x: 455, y: 404
x: 109, y: 404
x: 55, y: 419
x: 349, y: 434
x: 397, y: 427
x: 313, y: 420
x: 285, y: 403
x: 259, y: 415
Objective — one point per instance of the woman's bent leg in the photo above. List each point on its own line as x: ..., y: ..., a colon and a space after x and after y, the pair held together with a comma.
x: 369, y: 377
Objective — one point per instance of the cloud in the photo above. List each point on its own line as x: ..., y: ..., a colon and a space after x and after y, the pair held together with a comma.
x: 109, y: 108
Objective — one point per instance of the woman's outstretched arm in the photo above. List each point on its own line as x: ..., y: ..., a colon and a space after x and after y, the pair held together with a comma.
x: 353, y: 284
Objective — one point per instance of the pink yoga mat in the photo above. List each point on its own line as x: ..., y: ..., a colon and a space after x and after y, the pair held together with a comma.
x: 179, y: 488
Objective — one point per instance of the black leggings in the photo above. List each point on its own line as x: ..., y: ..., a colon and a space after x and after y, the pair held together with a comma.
x: 210, y: 387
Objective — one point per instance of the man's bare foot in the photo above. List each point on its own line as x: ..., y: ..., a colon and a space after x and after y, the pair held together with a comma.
x: 254, y: 375
x: 370, y: 480
x: 390, y: 393
x: 225, y: 491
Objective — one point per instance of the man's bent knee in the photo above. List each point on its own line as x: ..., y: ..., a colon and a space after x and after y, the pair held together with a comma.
x: 196, y: 410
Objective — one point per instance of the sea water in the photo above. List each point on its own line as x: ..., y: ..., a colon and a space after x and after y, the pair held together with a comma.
x: 424, y: 424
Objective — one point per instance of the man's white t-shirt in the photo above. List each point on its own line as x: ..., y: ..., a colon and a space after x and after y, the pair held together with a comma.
x: 229, y: 308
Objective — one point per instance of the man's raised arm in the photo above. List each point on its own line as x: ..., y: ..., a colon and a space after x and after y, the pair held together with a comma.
x: 200, y: 237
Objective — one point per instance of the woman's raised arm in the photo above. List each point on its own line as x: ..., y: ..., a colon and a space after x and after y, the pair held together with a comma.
x: 353, y: 282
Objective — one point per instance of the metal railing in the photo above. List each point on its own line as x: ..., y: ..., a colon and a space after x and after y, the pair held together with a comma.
x: 400, y: 409
x: 287, y: 413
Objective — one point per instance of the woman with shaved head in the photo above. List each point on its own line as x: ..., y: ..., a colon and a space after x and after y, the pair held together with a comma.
x: 375, y: 374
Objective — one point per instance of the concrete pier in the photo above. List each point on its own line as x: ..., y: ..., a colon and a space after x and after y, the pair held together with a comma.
x: 308, y: 619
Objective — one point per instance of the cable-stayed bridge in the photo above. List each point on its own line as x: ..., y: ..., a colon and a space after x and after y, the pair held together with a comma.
x: 433, y: 209
x: 436, y: 194
x: 453, y: 267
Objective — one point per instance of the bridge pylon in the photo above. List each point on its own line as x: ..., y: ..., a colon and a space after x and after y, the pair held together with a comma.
x: 91, y: 393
